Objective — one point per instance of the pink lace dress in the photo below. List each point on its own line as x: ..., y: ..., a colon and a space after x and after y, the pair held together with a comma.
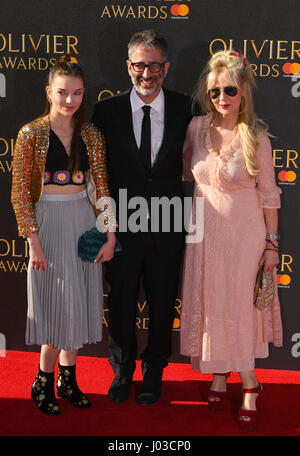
x: 221, y: 330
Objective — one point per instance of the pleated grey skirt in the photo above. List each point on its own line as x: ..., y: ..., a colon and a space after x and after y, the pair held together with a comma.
x: 65, y: 303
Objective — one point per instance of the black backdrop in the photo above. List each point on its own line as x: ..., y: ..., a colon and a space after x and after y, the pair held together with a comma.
x: 36, y: 32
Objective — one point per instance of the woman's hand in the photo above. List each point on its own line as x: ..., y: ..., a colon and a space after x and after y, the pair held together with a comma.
x: 270, y: 259
x: 36, y: 254
x: 106, y: 252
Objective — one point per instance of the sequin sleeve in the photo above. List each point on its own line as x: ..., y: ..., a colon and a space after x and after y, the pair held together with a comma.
x: 21, y: 183
x: 104, y: 204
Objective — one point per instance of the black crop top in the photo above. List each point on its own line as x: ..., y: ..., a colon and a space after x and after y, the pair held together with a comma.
x: 57, y: 163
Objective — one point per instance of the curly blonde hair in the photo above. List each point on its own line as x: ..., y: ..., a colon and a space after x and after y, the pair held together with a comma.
x: 236, y: 70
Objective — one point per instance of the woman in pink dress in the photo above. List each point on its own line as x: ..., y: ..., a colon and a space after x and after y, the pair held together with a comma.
x: 228, y: 154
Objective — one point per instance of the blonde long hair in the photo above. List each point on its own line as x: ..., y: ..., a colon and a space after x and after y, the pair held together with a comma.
x: 236, y: 70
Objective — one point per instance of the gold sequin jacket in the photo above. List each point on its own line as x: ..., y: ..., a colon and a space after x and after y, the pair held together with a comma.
x: 28, y: 175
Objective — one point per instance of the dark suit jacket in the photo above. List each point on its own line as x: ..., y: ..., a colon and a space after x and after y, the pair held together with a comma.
x: 125, y: 169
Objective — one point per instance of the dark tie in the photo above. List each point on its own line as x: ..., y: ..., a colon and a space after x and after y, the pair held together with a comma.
x: 145, y: 147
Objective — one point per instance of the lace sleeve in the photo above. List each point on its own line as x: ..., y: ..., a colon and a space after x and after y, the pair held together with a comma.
x: 269, y: 193
x: 187, y: 174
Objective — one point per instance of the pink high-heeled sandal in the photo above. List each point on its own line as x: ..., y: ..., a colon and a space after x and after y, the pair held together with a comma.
x: 247, y: 419
x: 217, y: 399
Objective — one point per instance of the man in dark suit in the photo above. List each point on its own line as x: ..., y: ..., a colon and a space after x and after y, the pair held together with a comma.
x: 144, y: 158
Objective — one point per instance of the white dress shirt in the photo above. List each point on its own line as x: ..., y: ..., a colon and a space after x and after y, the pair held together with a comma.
x: 157, y: 115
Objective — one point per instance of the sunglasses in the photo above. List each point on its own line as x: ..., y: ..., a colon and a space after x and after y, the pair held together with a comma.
x: 231, y: 91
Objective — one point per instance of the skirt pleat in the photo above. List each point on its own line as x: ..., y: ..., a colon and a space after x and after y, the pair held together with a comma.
x: 65, y: 303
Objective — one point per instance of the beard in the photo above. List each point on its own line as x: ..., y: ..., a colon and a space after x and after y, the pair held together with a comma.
x: 157, y: 81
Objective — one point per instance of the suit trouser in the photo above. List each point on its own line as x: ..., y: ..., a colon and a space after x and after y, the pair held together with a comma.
x: 158, y: 271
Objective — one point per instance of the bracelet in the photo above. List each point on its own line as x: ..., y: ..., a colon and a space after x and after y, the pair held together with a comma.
x: 274, y: 236
x: 268, y: 240
x: 273, y: 250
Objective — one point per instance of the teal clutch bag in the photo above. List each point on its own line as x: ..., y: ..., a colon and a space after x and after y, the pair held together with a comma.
x: 91, y: 242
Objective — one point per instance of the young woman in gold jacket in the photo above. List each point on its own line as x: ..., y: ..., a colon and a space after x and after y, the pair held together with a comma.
x: 59, y: 187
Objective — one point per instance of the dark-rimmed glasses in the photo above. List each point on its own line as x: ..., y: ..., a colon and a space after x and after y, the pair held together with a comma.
x: 154, y: 67
x: 231, y: 91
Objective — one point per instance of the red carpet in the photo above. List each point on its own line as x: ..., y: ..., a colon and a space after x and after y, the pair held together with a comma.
x: 182, y: 410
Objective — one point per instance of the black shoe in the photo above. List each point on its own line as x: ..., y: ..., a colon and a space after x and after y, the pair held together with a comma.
x: 67, y: 387
x: 150, y: 391
x: 119, y: 390
x: 148, y: 397
x: 42, y: 392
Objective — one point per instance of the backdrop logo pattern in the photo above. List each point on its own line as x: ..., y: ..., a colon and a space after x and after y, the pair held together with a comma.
x: 287, y: 177
x: 14, y: 255
x: 284, y: 277
x: 33, y: 52
x: 285, y: 162
x: 161, y: 10
x: 176, y: 322
x: 142, y: 318
x: 179, y: 11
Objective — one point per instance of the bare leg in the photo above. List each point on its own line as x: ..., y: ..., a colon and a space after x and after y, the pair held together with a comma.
x: 249, y: 380
x: 219, y: 384
x: 68, y: 357
x: 49, y: 355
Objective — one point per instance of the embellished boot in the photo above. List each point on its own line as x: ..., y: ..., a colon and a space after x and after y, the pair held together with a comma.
x: 42, y: 392
x: 67, y: 387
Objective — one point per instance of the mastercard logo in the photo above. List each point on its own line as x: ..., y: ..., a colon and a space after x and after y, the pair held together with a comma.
x: 287, y: 176
x: 179, y: 10
x: 283, y: 279
x: 291, y: 68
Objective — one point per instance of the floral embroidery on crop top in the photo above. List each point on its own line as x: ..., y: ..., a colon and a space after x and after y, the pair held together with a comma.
x: 57, y: 163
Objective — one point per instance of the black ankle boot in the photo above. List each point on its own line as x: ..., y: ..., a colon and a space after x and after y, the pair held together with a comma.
x: 67, y: 387
x: 42, y: 392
